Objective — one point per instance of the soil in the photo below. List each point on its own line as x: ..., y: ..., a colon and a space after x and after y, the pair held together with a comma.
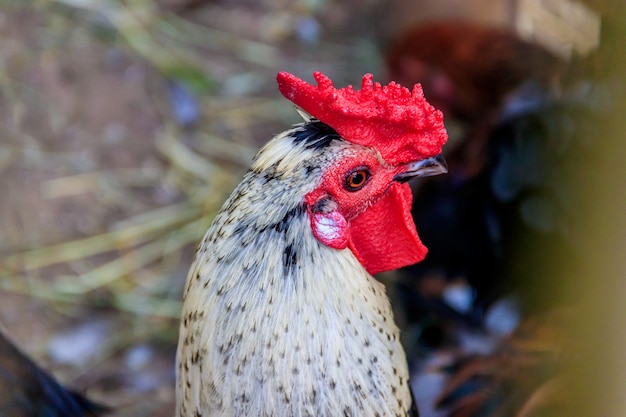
x: 82, y: 111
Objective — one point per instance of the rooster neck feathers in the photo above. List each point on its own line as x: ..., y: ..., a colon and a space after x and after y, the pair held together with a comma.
x: 276, y: 323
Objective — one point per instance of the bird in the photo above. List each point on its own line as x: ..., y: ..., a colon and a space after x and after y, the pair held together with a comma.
x: 511, y: 98
x: 26, y: 390
x: 282, y: 315
x: 504, y: 224
x: 467, y: 69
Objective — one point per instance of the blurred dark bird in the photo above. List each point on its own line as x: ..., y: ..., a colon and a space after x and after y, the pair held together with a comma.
x: 506, y: 190
x: 504, y: 221
x: 532, y: 363
x: 28, y: 391
x: 468, y: 70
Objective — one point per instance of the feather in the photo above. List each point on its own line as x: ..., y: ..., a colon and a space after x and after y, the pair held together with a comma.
x: 28, y: 391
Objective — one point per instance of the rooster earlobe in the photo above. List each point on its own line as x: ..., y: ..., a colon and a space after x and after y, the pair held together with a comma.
x: 328, y: 225
x: 331, y: 229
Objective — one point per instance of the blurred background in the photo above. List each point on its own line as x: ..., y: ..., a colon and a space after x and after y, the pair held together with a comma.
x: 124, y: 124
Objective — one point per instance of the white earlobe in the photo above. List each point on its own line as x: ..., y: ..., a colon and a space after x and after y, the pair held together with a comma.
x: 331, y: 229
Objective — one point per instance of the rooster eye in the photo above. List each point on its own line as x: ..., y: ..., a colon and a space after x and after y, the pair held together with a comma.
x: 355, y: 180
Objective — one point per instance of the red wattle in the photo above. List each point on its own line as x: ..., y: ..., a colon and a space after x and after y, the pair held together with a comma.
x: 384, y: 238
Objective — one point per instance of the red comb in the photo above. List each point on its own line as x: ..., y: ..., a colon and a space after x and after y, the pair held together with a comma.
x: 402, y: 126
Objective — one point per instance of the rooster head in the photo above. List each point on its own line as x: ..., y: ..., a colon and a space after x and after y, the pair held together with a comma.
x: 362, y: 201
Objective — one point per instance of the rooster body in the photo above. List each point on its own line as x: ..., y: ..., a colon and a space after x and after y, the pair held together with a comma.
x: 281, y: 318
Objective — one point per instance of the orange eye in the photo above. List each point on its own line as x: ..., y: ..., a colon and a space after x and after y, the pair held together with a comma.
x: 355, y: 180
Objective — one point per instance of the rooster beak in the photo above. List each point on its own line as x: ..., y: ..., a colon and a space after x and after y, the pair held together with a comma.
x: 424, y: 168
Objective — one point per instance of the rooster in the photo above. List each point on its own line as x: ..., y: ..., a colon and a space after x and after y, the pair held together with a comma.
x: 281, y: 314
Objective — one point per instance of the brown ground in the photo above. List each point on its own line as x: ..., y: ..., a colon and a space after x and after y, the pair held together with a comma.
x: 91, y: 148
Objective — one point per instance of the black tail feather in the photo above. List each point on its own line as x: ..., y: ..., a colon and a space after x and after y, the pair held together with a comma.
x: 28, y: 391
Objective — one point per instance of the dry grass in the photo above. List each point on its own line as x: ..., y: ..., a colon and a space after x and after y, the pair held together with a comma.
x: 106, y: 188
